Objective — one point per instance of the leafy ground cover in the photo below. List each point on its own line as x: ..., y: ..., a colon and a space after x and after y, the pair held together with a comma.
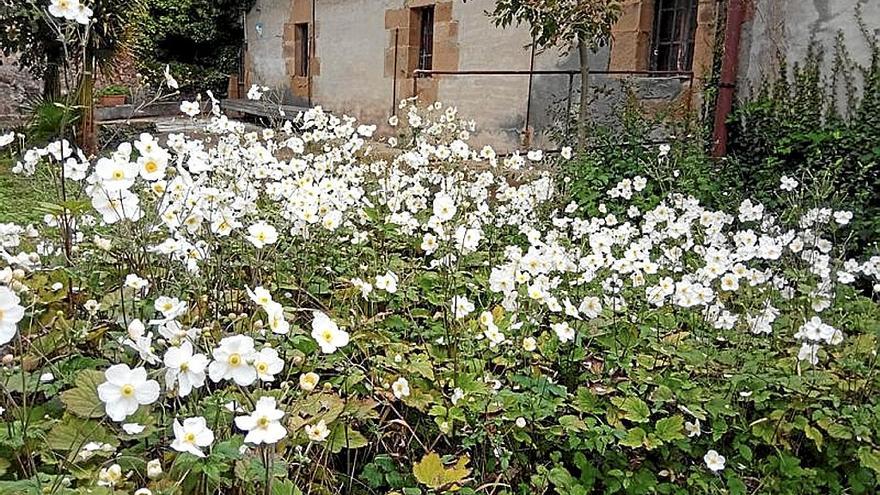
x: 286, y: 311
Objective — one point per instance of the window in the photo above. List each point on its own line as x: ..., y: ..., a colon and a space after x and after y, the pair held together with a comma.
x: 301, y: 40
x: 426, y: 37
x: 675, y: 23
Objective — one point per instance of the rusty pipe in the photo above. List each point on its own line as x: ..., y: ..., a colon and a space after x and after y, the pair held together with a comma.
x: 727, y: 79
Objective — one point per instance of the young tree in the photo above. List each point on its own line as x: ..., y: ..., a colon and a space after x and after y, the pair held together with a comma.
x: 567, y: 24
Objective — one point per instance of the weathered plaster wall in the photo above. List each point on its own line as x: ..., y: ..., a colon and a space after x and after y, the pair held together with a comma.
x: 355, y: 46
x: 788, y: 26
x: 265, y: 57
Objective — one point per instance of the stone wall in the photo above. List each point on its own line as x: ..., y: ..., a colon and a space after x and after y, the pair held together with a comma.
x: 355, y: 43
x: 16, y: 87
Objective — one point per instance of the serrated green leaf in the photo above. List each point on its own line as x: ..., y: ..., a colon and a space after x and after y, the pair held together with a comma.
x: 83, y: 400
x: 634, y: 409
x: 635, y: 438
x: 870, y: 459
x: 669, y: 429
x: 431, y: 472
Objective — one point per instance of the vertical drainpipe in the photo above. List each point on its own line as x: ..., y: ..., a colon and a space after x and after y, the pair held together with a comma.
x: 727, y: 81
x: 313, y: 36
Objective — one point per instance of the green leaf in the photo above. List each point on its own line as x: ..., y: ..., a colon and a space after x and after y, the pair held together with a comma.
x: 344, y: 437
x: 83, y: 400
x: 634, y: 438
x: 870, y: 459
x: 72, y: 433
x: 815, y: 435
x: 431, y: 472
x: 572, y: 423
x: 669, y: 429
x: 634, y: 409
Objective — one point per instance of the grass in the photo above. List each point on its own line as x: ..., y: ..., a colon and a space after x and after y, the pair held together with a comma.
x: 19, y: 199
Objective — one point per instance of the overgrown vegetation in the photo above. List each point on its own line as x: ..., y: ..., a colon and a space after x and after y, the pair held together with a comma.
x: 200, y: 39
x: 819, y: 127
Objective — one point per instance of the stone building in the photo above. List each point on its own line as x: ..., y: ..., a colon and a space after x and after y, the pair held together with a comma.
x: 361, y: 56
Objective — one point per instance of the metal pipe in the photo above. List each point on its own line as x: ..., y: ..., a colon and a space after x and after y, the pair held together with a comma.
x: 394, y: 81
x: 727, y: 81
x: 568, y: 104
x: 312, y: 35
x: 526, y: 137
x: 671, y: 73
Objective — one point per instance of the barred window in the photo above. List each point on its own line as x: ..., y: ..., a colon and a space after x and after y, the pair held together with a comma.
x: 675, y: 24
x: 426, y: 37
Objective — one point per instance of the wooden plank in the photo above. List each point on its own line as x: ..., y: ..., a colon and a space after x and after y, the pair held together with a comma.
x: 261, y: 108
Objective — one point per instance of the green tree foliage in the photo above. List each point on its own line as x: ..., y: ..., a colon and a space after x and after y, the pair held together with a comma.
x: 584, y: 24
x: 200, y: 39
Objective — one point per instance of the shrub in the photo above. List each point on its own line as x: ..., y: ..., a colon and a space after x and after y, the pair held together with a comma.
x: 821, y: 129
x: 291, y: 311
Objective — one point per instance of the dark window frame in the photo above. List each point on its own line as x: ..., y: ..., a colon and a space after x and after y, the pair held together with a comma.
x: 303, y: 56
x: 426, y: 38
x: 675, y: 29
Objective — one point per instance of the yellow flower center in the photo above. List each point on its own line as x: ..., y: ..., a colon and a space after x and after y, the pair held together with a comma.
x: 263, y: 422
x: 189, y: 437
x: 1, y: 315
x: 327, y: 335
x: 262, y: 367
x: 151, y: 166
x: 127, y: 390
x: 235, y: 359
x: 118, y: 174
x: 184, y: 367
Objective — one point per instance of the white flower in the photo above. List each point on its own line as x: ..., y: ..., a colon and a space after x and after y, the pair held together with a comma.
x: 529, y: 344
x: 308, y: 381
x: 842, y: 217
x: 185, y: 368
x: 260, y: 296
x: 563, y: 331
x: 693, y: 429
x: 319, y: 432
x: 520, y: 422
x: 154, y: 469
x: 47, y: 377
x: 190, y: 108
x: 263, y: 424
x: 136, y: 283
x: 786, y: 183
x: 268, y: 364
x: 169, y: 79
x: 444, y: 207
x: 387, y: 282
x: 110, y: 476
x: 461, y: 307
x: 133, y: 428
x: 566, y: 152
x: 115, y: 175
x: 809, y: 352
x: 277, y: 323
x: 332, y: 220
x: 170, y: 307
x: 6, y: 139
x: 255, y: 93
x: 191, y: 435
x: 714, y: 461
x: 67, y: 9
x: 232, y: 360
x: 125, y: 390
x: 328, y: 334
x: 10, y: 314
x: 261, y: 233
x: 400, y: 388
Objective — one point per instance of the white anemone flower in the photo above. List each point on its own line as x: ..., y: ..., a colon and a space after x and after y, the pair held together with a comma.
x: 191, y: 435
x: 328, y: 334
x: 232, y: 361
x: 125, y: 390
x: 11, y: 312
x: 317, y: 432
x: 185, y: 368
x: 268, y: 364
x: 263, y: 424
x: 714, y: 461
x: 400, y: 388
x: 261, y: 233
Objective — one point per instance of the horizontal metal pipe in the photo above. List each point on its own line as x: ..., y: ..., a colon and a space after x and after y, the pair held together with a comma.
x: 425, y: 73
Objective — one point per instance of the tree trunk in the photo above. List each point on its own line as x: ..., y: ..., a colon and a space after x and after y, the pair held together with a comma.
x: 584, y: 110
x: 88, y: 139
x: 52, y: 76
